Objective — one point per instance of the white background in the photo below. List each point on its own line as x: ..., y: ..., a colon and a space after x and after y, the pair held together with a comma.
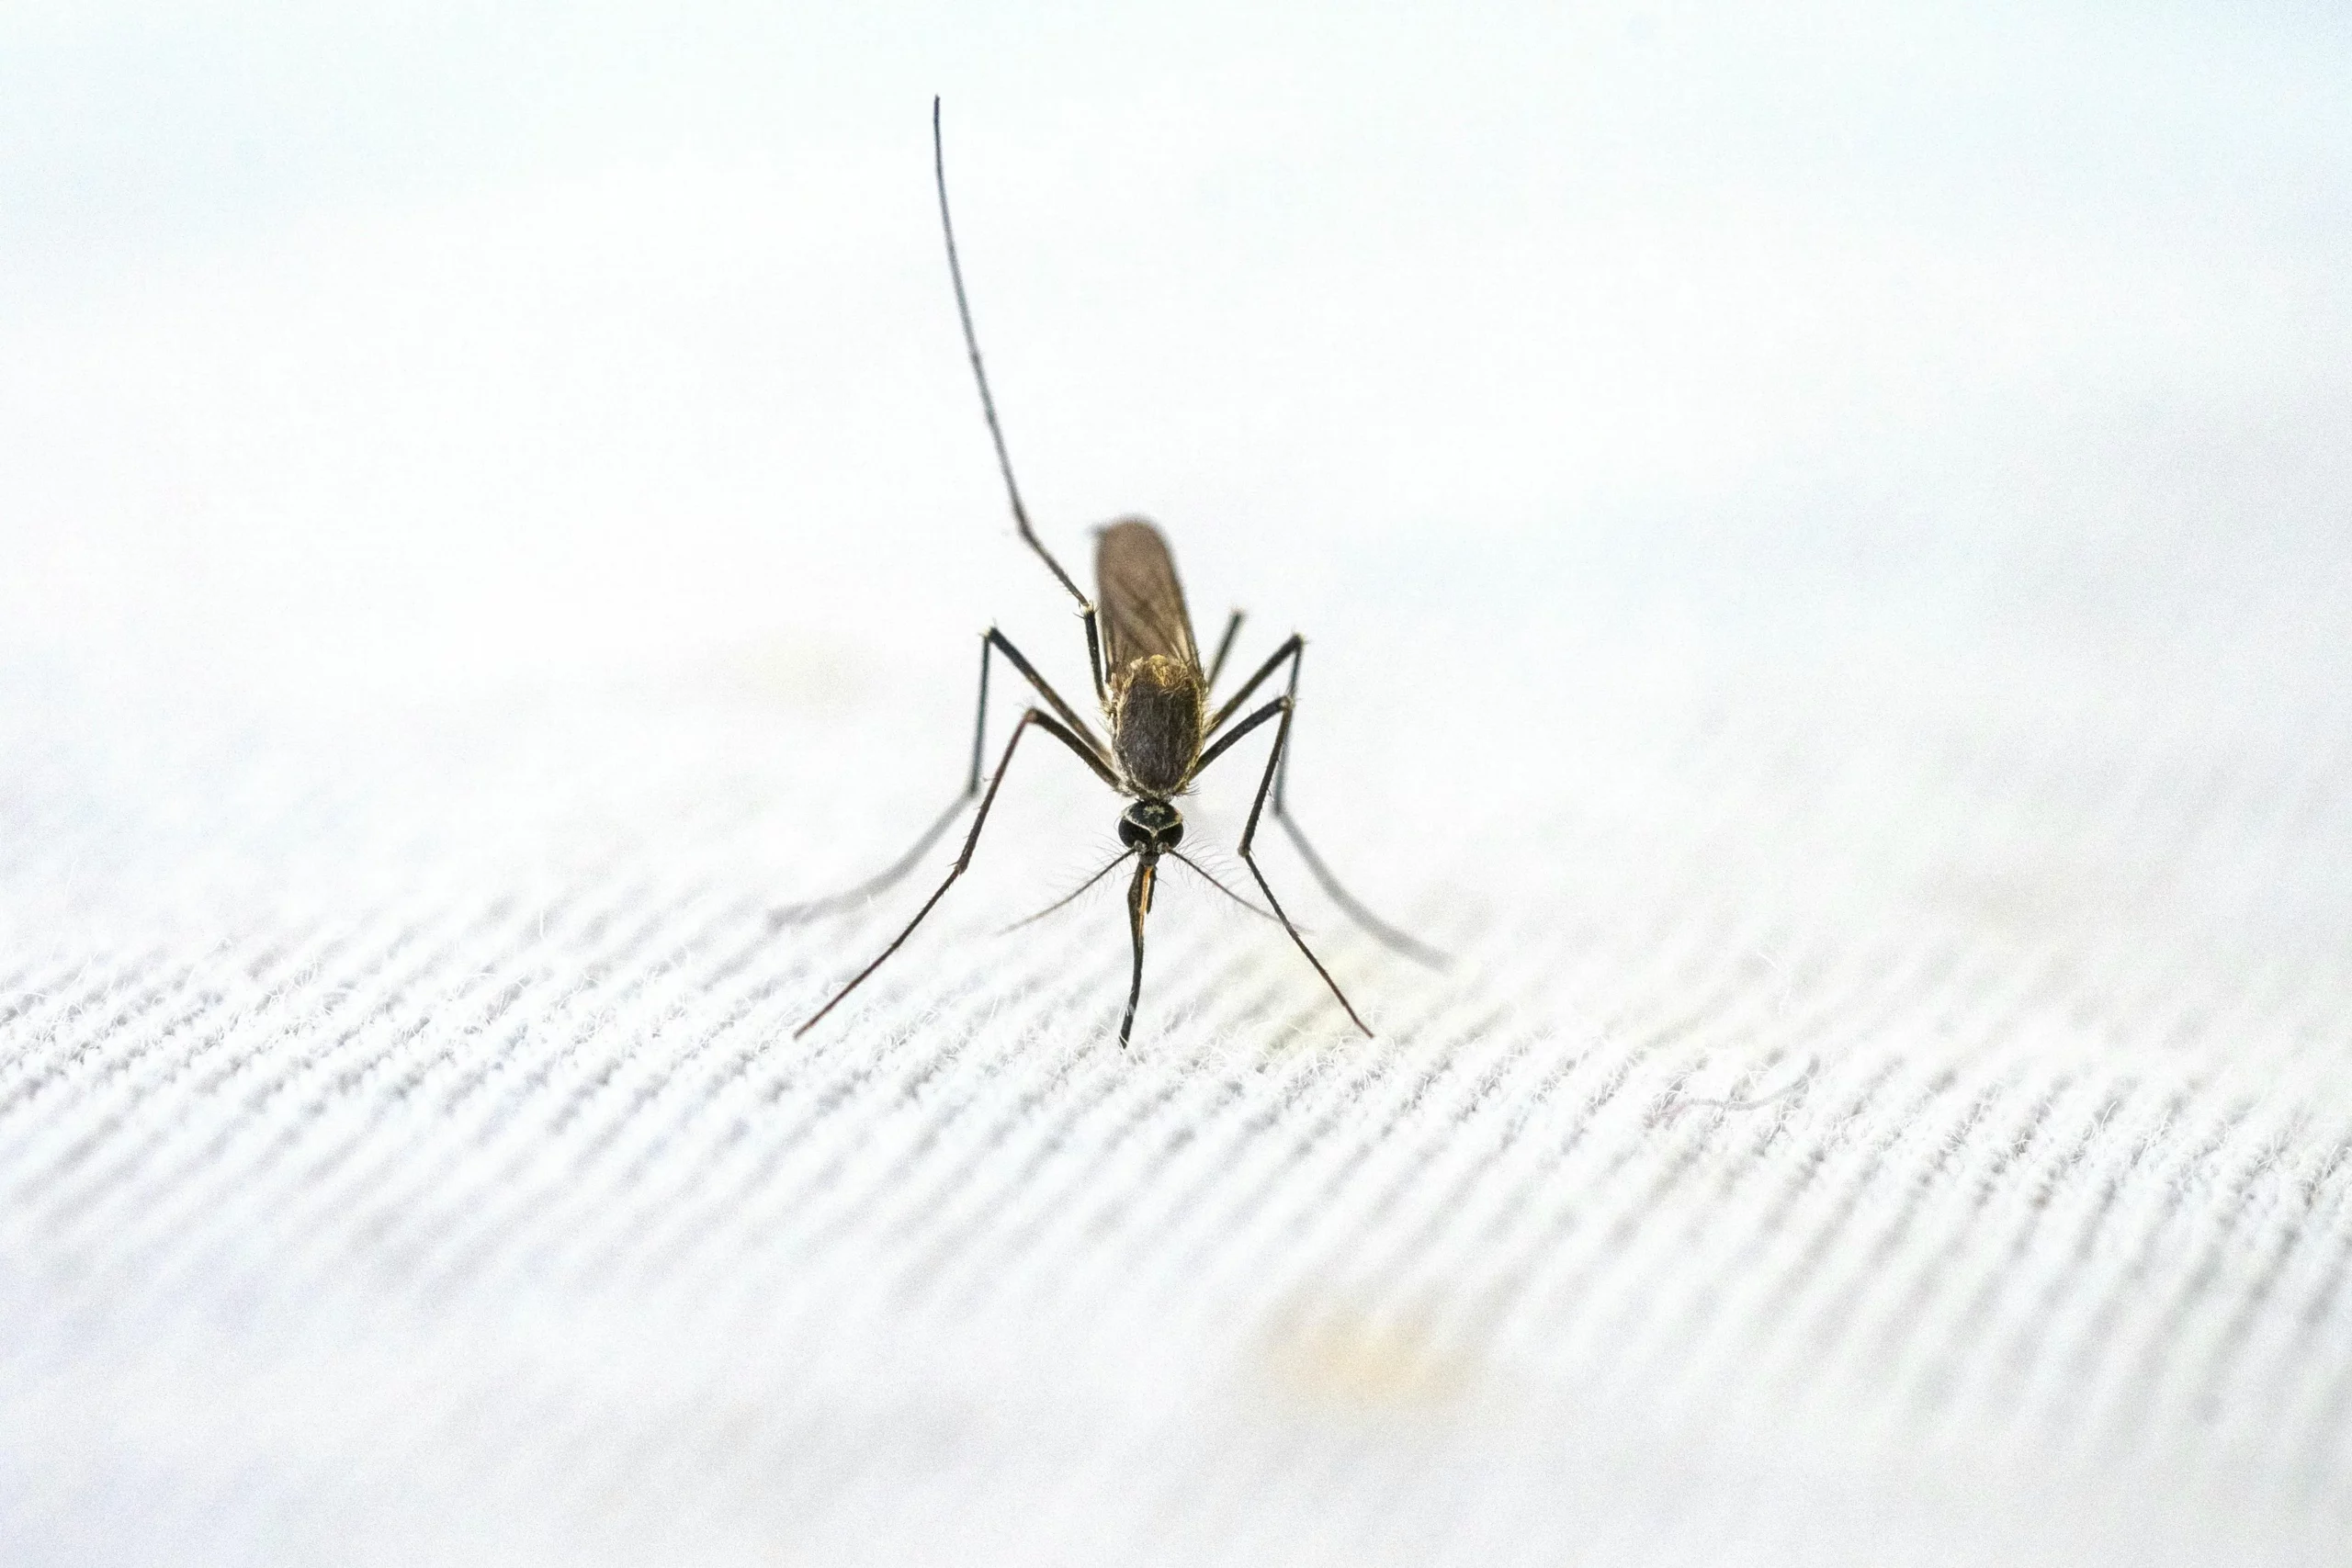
x: 1824, y: 533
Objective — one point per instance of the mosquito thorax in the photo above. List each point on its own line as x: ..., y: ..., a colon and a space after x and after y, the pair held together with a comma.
x: 1157, y: 712
x: 1152, y: 825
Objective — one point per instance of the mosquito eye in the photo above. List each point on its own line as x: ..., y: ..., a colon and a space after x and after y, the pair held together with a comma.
x: 1171, y: 835
x: 1132, y: 834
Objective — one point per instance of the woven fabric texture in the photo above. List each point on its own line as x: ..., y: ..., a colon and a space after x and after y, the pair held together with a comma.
x: 1875, y: 1114
x: 1822, y: 534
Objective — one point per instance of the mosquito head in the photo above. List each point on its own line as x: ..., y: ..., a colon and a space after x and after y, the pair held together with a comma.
x: 1152, y: 825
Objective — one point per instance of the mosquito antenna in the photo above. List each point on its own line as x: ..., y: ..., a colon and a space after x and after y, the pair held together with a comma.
x: 1071, y: 896
x: 988, y: 401
x: 1202, y: 872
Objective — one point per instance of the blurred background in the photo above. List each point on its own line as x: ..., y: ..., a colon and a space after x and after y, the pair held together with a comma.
x: 475, y: 340
x: 1823, y: 530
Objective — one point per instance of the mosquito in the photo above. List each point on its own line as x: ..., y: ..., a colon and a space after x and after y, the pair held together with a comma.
x: 1155, y: 697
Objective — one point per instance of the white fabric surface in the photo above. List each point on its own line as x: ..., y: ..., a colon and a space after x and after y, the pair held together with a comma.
x: 1863, y: 643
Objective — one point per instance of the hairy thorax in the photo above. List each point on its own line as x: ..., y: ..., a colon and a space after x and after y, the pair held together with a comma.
x: 1157, y: 710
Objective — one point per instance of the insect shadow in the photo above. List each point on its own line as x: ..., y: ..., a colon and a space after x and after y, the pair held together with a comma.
x: 1155, y: 696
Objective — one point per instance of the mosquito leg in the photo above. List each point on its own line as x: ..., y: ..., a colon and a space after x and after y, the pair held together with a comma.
x: 1280, y: 706
x: 1295, y: 650
x: 1223, y: 647
x: 794, y: 914
x: 996, y: 428
x: 990, y: 640
x: 1138, y: 906
x: 1094, y: 658
x: 971, y: 841
x: 1419, y: 951
x: 1068, y: 715
x: 1291, y: 648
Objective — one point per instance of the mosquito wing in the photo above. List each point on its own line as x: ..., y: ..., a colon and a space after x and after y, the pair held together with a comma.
x: 1138, y: 599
